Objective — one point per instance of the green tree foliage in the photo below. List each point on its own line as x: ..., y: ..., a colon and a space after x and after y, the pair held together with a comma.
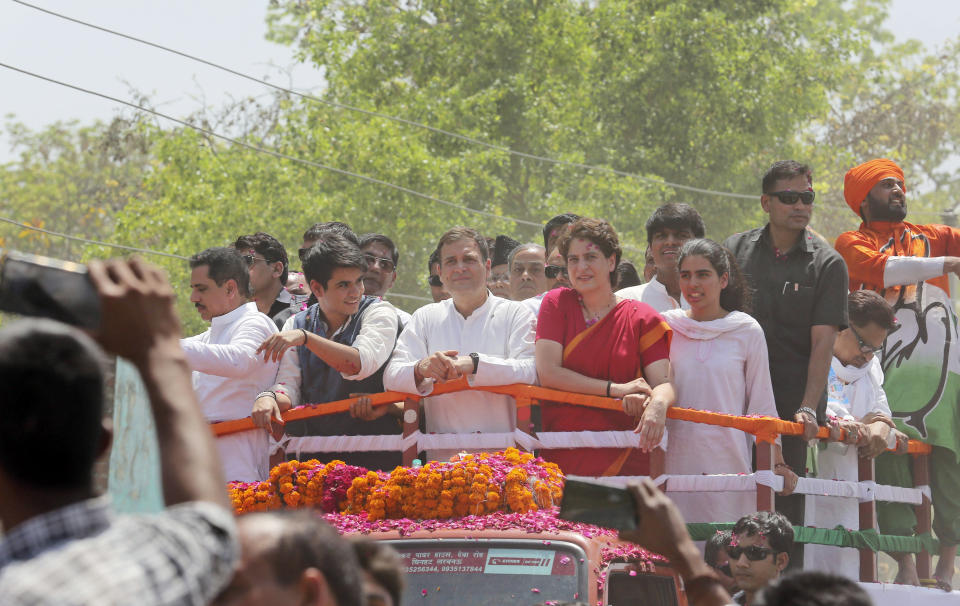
x: 71, y: 179
x: 900, y: 104
x: 706, y: 93
x: 699, y: 92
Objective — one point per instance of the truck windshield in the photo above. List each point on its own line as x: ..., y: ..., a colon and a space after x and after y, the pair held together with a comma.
x: 478, y: 572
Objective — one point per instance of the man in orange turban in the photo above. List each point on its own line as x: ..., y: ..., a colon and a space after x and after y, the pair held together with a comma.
x: 910, y: 265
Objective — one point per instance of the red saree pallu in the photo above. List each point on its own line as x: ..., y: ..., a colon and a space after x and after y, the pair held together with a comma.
x: 617, y: 348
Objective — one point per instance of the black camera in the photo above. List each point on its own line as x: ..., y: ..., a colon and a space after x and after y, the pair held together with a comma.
x: 32, y: 285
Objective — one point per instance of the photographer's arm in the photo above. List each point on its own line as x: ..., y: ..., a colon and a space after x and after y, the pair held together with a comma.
x: 140, y: 324
x: 661, y: 529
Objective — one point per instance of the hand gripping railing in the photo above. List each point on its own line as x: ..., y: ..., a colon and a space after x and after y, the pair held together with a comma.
x: 765, y: 429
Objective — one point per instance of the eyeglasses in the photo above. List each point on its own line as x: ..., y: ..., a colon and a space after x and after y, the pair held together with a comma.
x: 494, y: 278
x: 251, y: 260
x: 791, y: 197
x: 302, y: 252
x: 754, y: 553
x: 385, y: 264
x: 864, y: 346
x: 434, y: 280
x: 552, y: 271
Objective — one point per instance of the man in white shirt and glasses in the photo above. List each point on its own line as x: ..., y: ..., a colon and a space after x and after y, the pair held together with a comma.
x: 487, y: 339
x: 227, y: 374
x: 382, y: 256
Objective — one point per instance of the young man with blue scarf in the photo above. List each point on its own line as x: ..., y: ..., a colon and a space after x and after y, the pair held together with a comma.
x: 334, y: 348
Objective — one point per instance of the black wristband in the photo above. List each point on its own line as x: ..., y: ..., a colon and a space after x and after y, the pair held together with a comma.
x: 476, y: 361
x: 304, y: 336
x: 609, y: 383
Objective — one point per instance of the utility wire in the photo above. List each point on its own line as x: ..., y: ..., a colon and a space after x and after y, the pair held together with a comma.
x: 276, y: 154
x: 58, y: 234
x: 408, y: 122
x: 468, y: 139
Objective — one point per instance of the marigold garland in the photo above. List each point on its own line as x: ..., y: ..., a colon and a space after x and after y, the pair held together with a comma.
x: 471, y: 484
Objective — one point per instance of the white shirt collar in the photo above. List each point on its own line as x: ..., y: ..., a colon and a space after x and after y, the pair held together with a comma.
x: 232, y: 316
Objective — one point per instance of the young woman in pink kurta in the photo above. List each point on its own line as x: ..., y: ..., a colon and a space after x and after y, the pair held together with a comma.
x: 719, y: 360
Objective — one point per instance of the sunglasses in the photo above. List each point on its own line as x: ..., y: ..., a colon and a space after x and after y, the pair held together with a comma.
x: 754, y: 553
x: 302, y: 252
x: 251, y: 260
x: 791, y: 197
x: 864, y: 346
x: 552, y: 271
x: 385, y: 264
x: 435, y: 281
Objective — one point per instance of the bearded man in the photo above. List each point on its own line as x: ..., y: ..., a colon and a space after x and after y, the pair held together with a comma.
x: 909, y: 265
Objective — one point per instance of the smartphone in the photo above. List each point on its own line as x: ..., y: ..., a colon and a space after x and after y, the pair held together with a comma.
x: 32, y: 285
x: 598, y: 504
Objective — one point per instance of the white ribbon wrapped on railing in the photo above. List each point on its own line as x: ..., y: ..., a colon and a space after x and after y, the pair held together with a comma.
x: 466, y: 441
x: 896, y: 494
x: 619, y: 481
x: 342, y: 443
x: 862, y: 491
x: 592, y: 439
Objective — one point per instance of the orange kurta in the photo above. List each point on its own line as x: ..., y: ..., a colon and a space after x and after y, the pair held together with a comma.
x: 866, y: 252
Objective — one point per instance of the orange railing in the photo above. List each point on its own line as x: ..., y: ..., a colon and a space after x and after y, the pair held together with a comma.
x: 765, y: 429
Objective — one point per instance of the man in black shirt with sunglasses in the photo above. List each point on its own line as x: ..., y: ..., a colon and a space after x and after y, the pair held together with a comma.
x: 799, y: 288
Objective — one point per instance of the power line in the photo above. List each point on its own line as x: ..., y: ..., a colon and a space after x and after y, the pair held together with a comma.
x: 276, y: 154
x: 462, y: 137
x: 49, y: 232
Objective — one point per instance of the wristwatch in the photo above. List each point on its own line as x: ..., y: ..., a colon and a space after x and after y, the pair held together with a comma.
x: 476, y: 361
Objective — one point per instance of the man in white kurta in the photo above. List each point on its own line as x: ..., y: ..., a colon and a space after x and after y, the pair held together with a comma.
x: 227, y: 374
x: 667, y: 229
x: 857, y: 403
x: 654, y: 294
x: 474, y: 334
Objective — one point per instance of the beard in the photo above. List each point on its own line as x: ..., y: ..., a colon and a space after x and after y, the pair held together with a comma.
x: 881, y: 210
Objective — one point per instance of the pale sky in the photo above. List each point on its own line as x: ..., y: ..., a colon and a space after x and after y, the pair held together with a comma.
x: 229, y: 32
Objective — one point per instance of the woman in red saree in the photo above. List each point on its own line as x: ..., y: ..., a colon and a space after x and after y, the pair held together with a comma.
x: 591, y: 341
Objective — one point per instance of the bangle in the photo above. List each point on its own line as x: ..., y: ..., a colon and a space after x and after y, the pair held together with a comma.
x: 609, y: 383
x: 809, y: 411
x: 304, y: 336
x: 267, y: 394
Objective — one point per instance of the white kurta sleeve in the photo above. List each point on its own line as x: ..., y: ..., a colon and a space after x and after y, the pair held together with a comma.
x: 234, y: 359
x: 376, y: 340
x: 519, y: 365
x: 880, y: 402
x: 411, y: 348
x: 909, y: 270
x: 289, y: 379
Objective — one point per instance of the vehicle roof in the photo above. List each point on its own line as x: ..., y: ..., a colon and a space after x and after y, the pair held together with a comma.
x: 600, y: 544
